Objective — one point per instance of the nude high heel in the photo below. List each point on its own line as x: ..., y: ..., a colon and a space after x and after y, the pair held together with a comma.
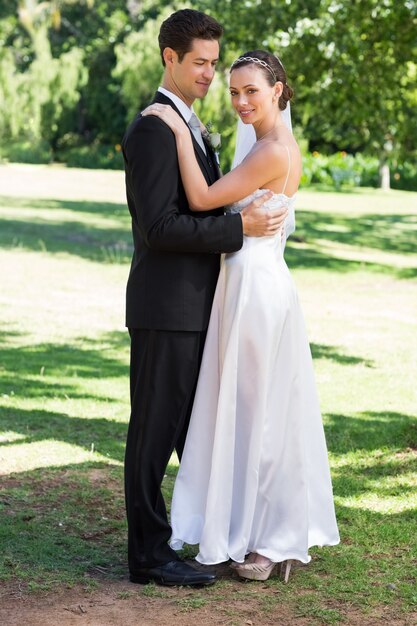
x: 254, y: 571
x: 285, y: 569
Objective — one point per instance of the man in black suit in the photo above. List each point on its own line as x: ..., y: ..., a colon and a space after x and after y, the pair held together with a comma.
x: 170, y: 290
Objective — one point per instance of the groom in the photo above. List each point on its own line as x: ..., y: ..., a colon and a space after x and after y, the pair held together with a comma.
x: 170, y: 290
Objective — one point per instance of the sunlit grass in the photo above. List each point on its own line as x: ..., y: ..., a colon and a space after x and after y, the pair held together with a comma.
x: 64, y: 396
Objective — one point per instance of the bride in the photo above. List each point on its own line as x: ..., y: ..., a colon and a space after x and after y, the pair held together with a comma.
x: 254, y: 482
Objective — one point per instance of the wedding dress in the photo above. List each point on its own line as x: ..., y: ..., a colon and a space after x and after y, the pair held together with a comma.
x: 254, y: 475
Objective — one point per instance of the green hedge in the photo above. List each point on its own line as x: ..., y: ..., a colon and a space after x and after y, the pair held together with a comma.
x: 340, y: 170
x: 343, y: 171
x: 404, y: 176
x: 26, y: 152
x: 93, y: 156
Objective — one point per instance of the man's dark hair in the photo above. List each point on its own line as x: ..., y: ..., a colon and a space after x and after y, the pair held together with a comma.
x: 180, y: 28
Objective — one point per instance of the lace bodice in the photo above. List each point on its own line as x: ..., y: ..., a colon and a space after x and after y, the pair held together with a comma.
x: 275, y: 202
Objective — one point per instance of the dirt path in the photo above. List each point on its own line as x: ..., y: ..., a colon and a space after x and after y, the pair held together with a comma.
x: 120, y: 603
x: 116, y: 603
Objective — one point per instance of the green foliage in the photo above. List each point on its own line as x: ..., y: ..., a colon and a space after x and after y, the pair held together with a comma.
x: 12, y: 96
x: 353, y: 67
x: 101, y: 113
x: 139, y: 65
x: 216, y: 111
x: 33, y: 102
x: 66, y: 77
x: 95, y: 155
x: 404, y: 175
x: 26, y: 151
x: 340, y: 170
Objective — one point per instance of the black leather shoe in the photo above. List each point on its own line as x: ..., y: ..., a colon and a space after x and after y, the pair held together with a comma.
x: 172, y: 573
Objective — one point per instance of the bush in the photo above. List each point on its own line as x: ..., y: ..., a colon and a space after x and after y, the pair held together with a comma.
x: 92, y: 156
x: 404, y: 176
x: 26, y: 152
x: 34, y: 102
x: 343, y: 171
x: 340, y: 170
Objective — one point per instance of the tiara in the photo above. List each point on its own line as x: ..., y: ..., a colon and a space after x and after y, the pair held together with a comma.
x: 254, y: 60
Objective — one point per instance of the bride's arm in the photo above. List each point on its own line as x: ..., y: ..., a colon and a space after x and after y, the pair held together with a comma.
x: 254, y: 172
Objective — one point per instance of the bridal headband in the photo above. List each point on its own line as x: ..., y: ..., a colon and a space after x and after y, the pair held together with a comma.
x: 254, y: 60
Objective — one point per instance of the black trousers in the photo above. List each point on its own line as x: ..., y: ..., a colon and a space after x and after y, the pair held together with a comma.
x: 164, y: 369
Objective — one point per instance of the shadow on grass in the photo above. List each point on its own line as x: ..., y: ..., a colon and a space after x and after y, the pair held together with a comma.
x: 298, y: 257
x: 62, y: 371
x: 86, y: 240
x: 370, y: 431
x: 103, y: 209
x: 63, y: 525
x: 392, y: 435
x: 56, y: 369
x: 71, y: 519
x: 68, y: 525
x: 95, y: 243
x: 388, y: 233
x: 109, y: 436
x: 323, y: 351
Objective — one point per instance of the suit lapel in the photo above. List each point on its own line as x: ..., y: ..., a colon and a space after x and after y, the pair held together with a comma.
x: 212, y: 156
x: 202, y: 159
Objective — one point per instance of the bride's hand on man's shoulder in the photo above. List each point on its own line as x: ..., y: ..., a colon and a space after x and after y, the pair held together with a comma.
x: 167, y: 114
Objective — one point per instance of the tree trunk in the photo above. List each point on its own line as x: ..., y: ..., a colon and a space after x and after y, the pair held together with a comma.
x: 384, y: 174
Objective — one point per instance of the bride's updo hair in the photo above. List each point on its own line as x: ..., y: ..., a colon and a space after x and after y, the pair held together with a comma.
x: 272, y: 69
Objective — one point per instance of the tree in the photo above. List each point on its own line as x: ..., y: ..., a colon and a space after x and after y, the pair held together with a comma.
x: 352, y: 63
x: 36, y: 95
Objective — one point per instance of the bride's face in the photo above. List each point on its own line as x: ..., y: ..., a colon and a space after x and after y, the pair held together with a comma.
x: 252, y: 97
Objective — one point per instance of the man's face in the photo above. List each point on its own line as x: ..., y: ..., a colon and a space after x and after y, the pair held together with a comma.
x: 192, y: 76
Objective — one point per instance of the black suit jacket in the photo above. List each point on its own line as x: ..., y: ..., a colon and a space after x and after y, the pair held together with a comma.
x: 176, y: 256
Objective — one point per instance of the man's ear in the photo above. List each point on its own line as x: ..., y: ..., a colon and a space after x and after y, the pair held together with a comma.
x: 169, y: 56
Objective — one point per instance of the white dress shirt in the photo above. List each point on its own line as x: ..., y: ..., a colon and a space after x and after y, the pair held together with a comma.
x: 187, y: 113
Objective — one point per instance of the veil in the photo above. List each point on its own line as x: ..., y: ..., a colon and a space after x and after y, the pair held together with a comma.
x: 245, y: 136
x: 245, y: 139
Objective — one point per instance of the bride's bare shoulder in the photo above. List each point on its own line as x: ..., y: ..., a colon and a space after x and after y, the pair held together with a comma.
x: 278, y: 151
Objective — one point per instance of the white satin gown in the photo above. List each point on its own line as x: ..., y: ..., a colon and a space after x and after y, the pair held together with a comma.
x: 254, y: 475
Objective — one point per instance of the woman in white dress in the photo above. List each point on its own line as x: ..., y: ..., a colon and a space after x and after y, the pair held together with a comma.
x: 254, y: 482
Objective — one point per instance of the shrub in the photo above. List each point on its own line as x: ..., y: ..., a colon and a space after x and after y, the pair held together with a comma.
x: 26, y: 151
x: 93, y: 156
x: 340, y: 170
x: 34, y: 102
x: 404, y: 176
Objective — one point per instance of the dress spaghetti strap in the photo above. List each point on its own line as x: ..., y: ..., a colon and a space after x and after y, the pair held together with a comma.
x: 288, y: 172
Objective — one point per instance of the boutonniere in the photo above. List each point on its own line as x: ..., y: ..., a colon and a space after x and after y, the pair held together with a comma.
x: 213, y: 139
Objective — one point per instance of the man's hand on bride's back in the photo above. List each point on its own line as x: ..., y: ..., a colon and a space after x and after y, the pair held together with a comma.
x: 260, y: 222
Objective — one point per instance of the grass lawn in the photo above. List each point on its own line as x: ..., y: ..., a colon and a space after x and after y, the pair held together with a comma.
x: 64, y: 258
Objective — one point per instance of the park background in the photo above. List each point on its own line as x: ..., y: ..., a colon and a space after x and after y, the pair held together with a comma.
x: 73, y: 73
x: 72, y: 76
